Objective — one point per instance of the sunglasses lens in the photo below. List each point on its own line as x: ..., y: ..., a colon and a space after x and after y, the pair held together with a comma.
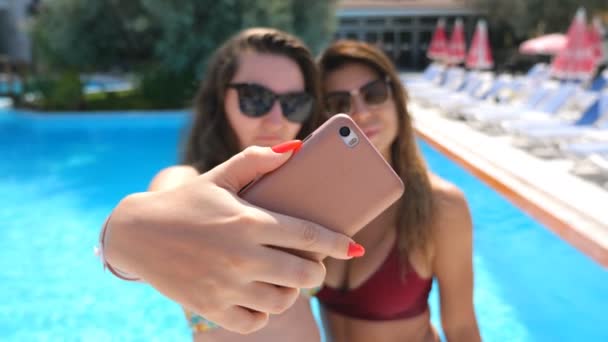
x: 375, y: 92
x: 254, y: 100
x: 338, y: 103
x: 297, y: 107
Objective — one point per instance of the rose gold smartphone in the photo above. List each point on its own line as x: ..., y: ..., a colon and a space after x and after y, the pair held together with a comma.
x: 337, y: 179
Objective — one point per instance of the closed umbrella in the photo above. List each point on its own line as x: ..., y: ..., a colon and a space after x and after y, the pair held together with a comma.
x: 480, y: 54
x: 595, y: 33
x: 575, y: 61
x: 457, y: 45
x: 438, y: 48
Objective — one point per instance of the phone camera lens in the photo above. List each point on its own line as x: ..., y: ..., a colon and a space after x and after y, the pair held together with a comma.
x: 344, y: 131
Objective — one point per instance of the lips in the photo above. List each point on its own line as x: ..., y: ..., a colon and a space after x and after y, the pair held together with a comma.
x: 371, y: 131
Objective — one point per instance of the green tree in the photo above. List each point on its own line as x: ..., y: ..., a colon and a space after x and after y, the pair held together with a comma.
x: 191, y: 30
x: 165, y: 42
x: 93, y: 35
x: 529, y: 18
x: 177, y: 35
x: 315, y: 22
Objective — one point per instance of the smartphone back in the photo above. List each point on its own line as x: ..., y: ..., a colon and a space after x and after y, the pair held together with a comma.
x: 328, y: 182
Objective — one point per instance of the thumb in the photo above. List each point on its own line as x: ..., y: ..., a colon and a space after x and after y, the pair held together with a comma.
x: 252, y: 162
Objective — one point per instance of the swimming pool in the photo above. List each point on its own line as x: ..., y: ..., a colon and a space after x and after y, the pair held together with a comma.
x: 60, y: 176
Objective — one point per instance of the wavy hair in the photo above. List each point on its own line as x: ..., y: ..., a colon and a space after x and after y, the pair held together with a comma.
x: 416, y: 205
x: 211, y: 140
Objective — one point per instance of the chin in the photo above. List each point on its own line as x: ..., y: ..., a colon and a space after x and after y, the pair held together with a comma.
x: 378, y: 142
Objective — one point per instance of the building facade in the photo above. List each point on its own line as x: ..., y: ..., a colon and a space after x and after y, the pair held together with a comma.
x: 402, y: 28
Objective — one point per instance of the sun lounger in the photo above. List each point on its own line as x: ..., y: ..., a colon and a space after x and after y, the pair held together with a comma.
x: 594, y: 168
x: 581, y: 110
x: 455, y: 79
x: 552, y: 141
x: 541, y: 102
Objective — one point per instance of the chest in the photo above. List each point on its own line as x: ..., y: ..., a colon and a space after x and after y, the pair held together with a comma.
x: 379, y: 238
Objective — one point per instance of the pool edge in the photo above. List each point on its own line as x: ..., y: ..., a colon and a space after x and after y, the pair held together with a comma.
x: 561, y: 227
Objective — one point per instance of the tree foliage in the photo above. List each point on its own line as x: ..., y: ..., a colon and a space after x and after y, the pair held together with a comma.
x: 92, y: 35
x: 176, y: 36
x: 511, y: 22
x: 163, y: 42
x: 529, y: 18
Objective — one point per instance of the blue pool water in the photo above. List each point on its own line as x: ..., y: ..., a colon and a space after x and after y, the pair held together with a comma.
x: 60, y: 176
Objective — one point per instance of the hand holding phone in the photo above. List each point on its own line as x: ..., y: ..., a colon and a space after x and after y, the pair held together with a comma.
x: 337, y: 179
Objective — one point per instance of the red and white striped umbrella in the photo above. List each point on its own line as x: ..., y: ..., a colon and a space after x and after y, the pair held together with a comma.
x: 438, y: 49
x: 457, y: 46
x: 550, y: 44
x: 595, y: 33
x: 480, y: 54
x: 576, y: 60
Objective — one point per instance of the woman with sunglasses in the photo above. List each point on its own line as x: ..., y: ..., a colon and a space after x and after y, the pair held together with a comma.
x: 426, y: 235
x: 194, y: 240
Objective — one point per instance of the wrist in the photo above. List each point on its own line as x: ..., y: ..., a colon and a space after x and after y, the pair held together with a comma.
x: 109, y: 253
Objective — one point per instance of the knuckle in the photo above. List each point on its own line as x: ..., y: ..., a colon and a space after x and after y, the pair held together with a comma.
x: 248, y: 218
x: 282, y: 301
x: 311, y: 233
x: 236, y: 261
x: 245, y: 223
x: 305, y: 274
x: 252, y: 152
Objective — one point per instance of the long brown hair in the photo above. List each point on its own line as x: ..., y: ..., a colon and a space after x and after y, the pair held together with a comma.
x: 212, y: 140
x: 416, y: 206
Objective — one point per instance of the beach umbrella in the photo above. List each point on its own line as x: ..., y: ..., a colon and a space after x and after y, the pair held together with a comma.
x: 439, y: 44
x: 457, y: 45
x: 575, y: 61
x: 480, y: 54
x: 549, y: 44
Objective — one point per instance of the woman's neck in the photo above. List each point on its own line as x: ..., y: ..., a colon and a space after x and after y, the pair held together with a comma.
x: 387, y: 156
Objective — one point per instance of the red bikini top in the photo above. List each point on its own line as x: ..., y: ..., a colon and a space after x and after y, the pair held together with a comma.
x: 386, y: 295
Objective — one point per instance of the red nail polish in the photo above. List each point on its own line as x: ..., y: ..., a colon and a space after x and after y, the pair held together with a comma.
x: 355, y: 250
x: 292, y: 145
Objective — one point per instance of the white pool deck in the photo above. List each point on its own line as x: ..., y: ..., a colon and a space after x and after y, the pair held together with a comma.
x: 574, y: 208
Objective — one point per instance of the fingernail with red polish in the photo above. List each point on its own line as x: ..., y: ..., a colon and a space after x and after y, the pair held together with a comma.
x: 292, y: 145
x: 355, y: 250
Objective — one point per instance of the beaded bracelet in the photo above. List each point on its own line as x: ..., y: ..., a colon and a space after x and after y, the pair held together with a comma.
x: 198, y: 323
x: 309, y: 293
x: 99, y: 252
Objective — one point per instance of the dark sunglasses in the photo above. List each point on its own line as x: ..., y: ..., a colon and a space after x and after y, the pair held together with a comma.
x: 256, y: 101
x: 372, y: 93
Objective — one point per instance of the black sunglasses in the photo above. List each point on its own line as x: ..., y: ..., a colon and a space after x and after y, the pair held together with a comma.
x: 256, y: 101
x: 372, y: 93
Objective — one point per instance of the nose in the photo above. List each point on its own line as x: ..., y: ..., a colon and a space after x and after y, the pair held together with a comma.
x: 275, y: 116
x: 360, y: 110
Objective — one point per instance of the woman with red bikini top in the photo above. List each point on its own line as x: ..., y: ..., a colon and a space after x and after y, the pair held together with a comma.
x: 425, y: 236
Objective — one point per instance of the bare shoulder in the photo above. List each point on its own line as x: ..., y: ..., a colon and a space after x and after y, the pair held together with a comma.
x: 452, y: 215
x: 172, y: 176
